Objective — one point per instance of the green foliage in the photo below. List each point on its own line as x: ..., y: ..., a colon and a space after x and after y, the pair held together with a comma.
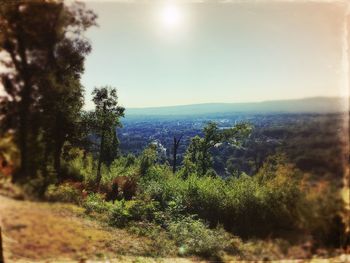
x: 79, y: 166
x: 43, y: 99
x: 63, y: 193
x: 124, y: 212
x: 271, y: 202
x: 194, y: 237
x: 190, y: 235
x: 103, y: 123
x: 95, y: 203
x: 198, y: 158
x: 148, y: 159
x: 164, y: 188
x: 314, y: 143
x: 124, y: 166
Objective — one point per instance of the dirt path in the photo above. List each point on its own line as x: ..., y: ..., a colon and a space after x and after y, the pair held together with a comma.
x: 60, y: 233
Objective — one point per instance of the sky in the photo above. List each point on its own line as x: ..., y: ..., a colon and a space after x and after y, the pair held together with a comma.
x: 162, y: 53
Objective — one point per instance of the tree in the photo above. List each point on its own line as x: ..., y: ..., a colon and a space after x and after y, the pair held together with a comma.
x: 198, y: 158
x: 175, y: 148
x: 43, y: 49
x: 63, y: 102
x: 148, y: 158
x: 111, y: 151
x: 104, y: 121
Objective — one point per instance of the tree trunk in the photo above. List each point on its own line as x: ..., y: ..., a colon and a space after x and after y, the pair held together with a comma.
x: 23, y: 113
x: 174, y: 156
x: 57, y: 160
x: 59, y: 141
x: 176, y: 147
x: 2, y: 260
x: 23, y: 148
x: 23, y: 135
x: 98, y: 176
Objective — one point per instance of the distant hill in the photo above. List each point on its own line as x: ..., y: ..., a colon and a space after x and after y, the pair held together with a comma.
x: 307, y: 105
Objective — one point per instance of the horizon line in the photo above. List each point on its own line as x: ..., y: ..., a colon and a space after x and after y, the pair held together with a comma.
x: 242, y: 102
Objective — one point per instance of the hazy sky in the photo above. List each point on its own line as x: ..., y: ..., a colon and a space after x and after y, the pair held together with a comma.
x: 161, y: 53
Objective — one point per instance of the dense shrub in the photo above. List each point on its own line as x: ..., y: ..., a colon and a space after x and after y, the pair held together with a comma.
x: 161, y: 185
x: 190, y: 235
x: 123, y: 212
x: 120, y: 214
x: 96, y: 203
x: 323, y: 214
x: 271, y: 202
x: 63, y: 193
x: 79, y: 167
x: 148, y: 159
x: 194, y: 237
x: 124, y: 166
x: 275, y: 201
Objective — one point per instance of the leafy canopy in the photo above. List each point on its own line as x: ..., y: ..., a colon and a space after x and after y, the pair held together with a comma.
x: 198, y: 158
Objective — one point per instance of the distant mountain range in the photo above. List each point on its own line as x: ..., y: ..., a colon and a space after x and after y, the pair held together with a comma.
x: 306, y: 105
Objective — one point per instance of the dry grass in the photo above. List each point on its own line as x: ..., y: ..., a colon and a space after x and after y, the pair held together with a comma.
x: 36, y: 231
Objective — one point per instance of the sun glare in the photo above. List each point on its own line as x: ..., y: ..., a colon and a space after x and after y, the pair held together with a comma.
x: 171, y: 16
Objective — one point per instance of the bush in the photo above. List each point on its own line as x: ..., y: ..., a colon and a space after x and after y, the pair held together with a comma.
x: 96, y: 203
x: 161, y: 243
x: 78, y: 166
x: 190, y: 235
x: 148, y: 159
x: 122, y: 167
x: 322, y: 214
x: 63, y: 193
x: 119, y: 214
x: 272, y: 203
x: 36, y: 186
x: 205, y: 196
x: 163, y: 187
x: 194, y: 237
x: 124, y: 212
x: 247, y: 206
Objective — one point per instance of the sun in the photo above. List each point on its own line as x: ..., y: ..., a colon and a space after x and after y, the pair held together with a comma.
x: 171, y: 16
x: 172, y: 21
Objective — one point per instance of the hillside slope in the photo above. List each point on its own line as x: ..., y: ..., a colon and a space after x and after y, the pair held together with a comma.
x: 42, y: 232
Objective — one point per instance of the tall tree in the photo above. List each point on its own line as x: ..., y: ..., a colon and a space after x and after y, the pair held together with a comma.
x: 64, y: 100
x: 105, y: 120
x: 43, y: 48
x: 198, y: 158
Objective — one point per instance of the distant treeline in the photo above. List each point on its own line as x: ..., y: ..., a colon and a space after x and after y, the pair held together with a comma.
x: 316, y: 143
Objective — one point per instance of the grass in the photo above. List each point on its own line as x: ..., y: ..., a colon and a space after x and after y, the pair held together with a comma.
x: 39, y: 231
